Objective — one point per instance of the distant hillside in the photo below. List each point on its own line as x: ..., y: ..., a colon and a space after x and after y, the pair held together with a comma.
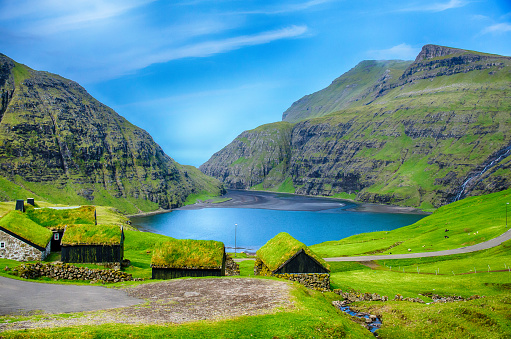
x: 60, y: 144
x: 423, y: 135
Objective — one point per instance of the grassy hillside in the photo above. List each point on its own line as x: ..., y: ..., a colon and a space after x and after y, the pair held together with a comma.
x: 422, y: 136
x: 469, y: 221
x: 59, y: 144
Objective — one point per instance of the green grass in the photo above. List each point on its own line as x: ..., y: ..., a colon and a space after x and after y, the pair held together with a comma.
x: 281, y: 248
x: 469, y: 221
x: 58, y: 219
x: 18, y: 223
x: 187, y: 253
x: 312, y: 316
x: 92, y: 235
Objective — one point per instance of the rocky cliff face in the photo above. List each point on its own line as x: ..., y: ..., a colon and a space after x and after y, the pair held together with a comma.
x: 437, y: 132
x: 59, y: 143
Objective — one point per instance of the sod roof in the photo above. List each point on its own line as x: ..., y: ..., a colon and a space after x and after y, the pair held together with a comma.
x: 18, y: 223
x: 92, y: 235
x: 60, y: 218
x: 187, y: 253
x: 283, y: 247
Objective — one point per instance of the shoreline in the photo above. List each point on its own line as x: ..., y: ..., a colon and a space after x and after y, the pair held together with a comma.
x: 145, y: 214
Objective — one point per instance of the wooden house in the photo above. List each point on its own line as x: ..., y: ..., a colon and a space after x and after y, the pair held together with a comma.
x: 22, y: 239
x: 284, y: 254
x: 93, y: 244
x: 57, y: 218
x: 188, y: 258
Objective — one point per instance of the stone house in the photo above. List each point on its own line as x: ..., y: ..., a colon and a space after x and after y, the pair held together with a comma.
x: 22, y: 239
x: 285, y: 257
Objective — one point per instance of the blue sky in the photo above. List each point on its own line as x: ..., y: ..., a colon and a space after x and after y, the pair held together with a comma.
x: 196, y: 73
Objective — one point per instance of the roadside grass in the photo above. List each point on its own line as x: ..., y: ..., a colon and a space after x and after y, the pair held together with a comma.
x: 469, y: 221
x: 312, y: 316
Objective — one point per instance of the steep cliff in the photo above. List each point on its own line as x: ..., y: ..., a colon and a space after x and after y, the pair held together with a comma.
x: 58, y: 143
x: 437, y: 132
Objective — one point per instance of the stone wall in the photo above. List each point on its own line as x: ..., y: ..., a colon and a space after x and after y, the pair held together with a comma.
x: 16, y: 249
x: 231, y: 268
x: 70, y: 272
x: 315, y: 281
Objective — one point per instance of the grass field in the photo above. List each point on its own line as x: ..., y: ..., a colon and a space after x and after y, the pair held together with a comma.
x: 468, y: 221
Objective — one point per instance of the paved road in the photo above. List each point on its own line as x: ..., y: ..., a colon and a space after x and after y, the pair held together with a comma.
x: 17, y: 296
x: 478, y: 247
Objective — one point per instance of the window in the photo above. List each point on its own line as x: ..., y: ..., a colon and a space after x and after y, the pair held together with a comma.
x: 2, y: 244
x: 56, y: 236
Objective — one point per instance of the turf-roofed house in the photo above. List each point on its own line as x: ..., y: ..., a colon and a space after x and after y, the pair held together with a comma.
x: 57, y: 218
x: 23, y: 239
x: 285, y: 257
x: 188, y: 258
x: 93, y: 244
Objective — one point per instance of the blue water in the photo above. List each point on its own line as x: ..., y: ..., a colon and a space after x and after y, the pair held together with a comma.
x: 256, y: 226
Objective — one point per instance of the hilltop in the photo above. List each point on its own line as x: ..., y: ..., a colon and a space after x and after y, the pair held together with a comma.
x: 58, y: 143
x: 419, y: 133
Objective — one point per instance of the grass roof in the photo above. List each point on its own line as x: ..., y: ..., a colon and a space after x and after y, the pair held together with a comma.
x: 281, y: 248
x: 187, y: 253
x: 18, y: 223
x: 60, y: 218
x: 92, y: 235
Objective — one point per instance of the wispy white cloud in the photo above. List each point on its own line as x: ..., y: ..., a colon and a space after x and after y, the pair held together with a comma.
x: 209, y: 48
x: 402, y: 52
x: 436, y: 6
x: 286, y: 8
x: 497, y: 28
x: 57, y: 16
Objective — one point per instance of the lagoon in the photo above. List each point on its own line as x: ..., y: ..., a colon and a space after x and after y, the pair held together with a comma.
x: 259, y: 216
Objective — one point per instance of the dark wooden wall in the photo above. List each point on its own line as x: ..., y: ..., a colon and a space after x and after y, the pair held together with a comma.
x: 172, y: 273
x: 302, y: 263
x: 92, y: 253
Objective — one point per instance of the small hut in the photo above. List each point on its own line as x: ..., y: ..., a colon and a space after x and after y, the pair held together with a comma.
x: 22, y: 239
x: 57, y: 218
x: 188, y: 258
x: 93, y: 244
x: 285, y: 257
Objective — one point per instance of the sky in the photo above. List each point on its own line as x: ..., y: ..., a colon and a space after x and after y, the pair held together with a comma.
x: 197, y: 73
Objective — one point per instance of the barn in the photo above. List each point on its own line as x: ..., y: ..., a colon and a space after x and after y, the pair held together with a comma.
x: 188, y: 258
x: 93, y: 244
x: 22, y: 239
x: 285, y: 257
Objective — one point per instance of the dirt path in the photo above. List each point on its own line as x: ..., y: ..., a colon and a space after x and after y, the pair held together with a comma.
x: 178, y: 301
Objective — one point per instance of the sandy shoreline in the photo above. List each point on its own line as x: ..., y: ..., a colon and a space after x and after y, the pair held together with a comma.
x: 293, y: 202
x: 145, y: 214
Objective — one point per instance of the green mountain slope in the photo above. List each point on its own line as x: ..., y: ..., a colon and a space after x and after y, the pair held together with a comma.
x: 60, y: 144
x: 434, y: 134
x: 354, y: 88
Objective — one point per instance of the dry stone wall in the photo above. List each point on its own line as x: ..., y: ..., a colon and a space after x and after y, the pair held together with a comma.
x: 315, y: 281
x: 231, y: 268
x: 16, y: 249
x: 70, y: 272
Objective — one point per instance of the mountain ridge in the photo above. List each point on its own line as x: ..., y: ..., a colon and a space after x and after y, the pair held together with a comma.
x: 58, y: 142
x: 413, y: 139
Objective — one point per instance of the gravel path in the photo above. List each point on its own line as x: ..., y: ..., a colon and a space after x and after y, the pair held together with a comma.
x: 177, y: 301
x: 22, y: 297
x: 478, y: 247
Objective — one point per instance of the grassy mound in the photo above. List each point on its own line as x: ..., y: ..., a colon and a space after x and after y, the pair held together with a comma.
x: 18, y: 223
x: 187, y: 253
x: 58, y: 219
x: 92, y: 235
x: 281, y: 248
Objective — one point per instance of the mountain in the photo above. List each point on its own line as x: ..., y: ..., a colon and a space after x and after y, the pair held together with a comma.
x: 60, y: 144
x: 421, y: 133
